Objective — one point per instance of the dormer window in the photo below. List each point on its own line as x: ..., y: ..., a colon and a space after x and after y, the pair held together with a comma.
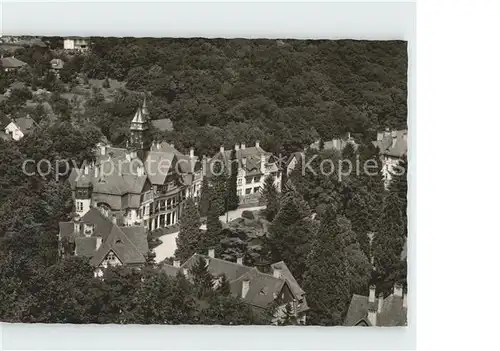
x: 88, y: 229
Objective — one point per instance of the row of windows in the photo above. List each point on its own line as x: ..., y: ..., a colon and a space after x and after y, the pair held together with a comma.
x: 249, y: 191
x: 249, y: 180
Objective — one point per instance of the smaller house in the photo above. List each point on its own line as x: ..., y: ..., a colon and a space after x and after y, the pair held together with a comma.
x: 254, y: 165
x: 20, y: 127
x: 381, y: 312
x: 260, y: 288
x: 103, y: 242
x: 10, y: 64
x: 56, y: 64
x: 393, y: 146
x: 79, y: 44
x: 163, y: 125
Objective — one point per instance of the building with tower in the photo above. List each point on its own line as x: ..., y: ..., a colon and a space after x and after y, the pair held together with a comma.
x: 143, y: 184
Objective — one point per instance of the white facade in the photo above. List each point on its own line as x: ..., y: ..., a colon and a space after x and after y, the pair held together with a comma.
x: 75, y: 44
x: 13, y: 130
x: 82, y: 206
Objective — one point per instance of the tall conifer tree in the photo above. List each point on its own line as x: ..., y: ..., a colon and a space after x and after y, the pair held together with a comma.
x: 232, y: 196
x: 189, y: 237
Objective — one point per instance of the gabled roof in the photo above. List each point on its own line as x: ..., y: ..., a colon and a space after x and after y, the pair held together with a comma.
x: 139, y: 117
x: 252, y: 156
x: 296, y: 155
x: 164, y: 124
x: 85, y: 246
x: 121, y: 245
x: 128, y: 243
x: 263, y: 288
x: 12, y: 62
x: 25, y: 124
x: 393, y: 313
x: 218, y: 267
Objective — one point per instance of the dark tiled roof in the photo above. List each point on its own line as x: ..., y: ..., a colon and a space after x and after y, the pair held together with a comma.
x: 357, y: 311
x: 164, y: 124
x: 25, y: 124
x: 160, y: 164
x: 85, y: 247
x: 296, y: 155
x: 66, y: 229
x: 218, y: 267
x: 285, y: 273
x: 102, y: 225
x: 393, y: 313
x: 121, y: 245
x: 12, y: 62
x: 252, y: 156
x: 263, y: 288
x: 138, y: 236
x: 386, y: 147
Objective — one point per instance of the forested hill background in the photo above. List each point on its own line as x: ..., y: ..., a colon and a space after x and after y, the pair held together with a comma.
x: 286, y: 93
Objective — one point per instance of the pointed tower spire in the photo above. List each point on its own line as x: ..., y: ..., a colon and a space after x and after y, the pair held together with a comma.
x: 138, y: 141
x: 144, y: 110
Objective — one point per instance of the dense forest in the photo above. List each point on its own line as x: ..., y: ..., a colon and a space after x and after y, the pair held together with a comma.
x: 285, y: 93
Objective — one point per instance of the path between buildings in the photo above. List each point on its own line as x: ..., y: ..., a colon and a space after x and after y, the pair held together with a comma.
x: 169, y: 245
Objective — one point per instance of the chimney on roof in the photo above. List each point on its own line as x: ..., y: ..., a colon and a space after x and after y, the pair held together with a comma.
x: 211, y: 253
x: 371, y: 297
x: 398, y: 290
x: 140, y: 170
x: 242, y: 146
x: 98, y: 242
x: 239, y: 260
x: 276, y: 272
x: 86, y: 169
x: 380, y: 302
x: 372, y: 316
x: 257, y: 144
x: 236, y: 147
x: 103, y: 150
x: 245, y: 286
x: 177, y: 263
x: 221, y: 149
x: 405, y: 301
x: 262, y: 163
x: 191, y: 152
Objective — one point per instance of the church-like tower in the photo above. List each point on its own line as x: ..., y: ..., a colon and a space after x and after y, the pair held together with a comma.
x: 139, y: 138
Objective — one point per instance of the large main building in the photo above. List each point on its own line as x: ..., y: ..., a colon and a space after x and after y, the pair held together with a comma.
x: 142, y: 184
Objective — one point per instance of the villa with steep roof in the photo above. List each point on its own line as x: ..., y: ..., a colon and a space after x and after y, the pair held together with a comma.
x: 144, y: 184
x: 19, y: 128
x: 261, y: 288
x: 393, y: 146
x: 254, y: 165
x: 103, y: 242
